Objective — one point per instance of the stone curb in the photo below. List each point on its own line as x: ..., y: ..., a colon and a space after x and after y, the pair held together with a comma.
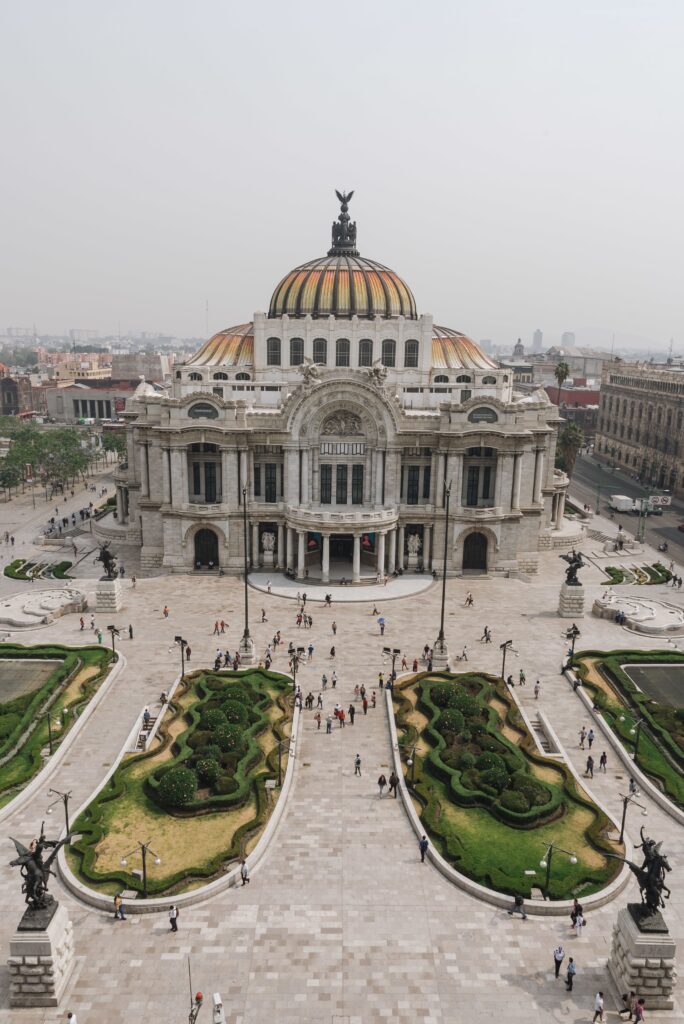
x: 557, y: 908
x: 652, y: 790
x: 29, y: 791
x: 227, y: 881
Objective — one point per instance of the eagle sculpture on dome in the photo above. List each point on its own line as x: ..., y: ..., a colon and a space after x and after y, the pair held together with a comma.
x: 343, y: 233
x: 344, y: 199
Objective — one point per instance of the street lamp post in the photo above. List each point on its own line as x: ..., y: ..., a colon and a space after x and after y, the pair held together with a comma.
x: 440, y: 654
x: 114, y: 632
x: 182, y: 644
x: 295, y: 661
x: 626, y: 801
x: 49, y: 716
x: 246, y: 644
x: 64, y: 797
x: 144, y: 848
x: 545, y: 862
x: 571, y: 635
x: 636, y: 732
x: 411, y: 762
x: 505, y: 647
x: 393, y: 653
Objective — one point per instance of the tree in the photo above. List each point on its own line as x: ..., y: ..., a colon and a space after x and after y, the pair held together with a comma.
x: 570, y: 440
x: 114, y: 441
x: 561, y: 373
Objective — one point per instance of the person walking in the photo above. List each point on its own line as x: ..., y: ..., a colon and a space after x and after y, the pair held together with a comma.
x: 216, y: 629
x: 324, y: 681
x: 319, y: 702
x: 317, y: 718
x: 521, y: 678
x: 558, y: 957
x: 244, y: 872
x: 537, y: 689
x: 633, y: 788
x: 628, y: 1000
x: 579, y: 925
x: 82, y: 622
x: 165, y: 613
x: 423, y: 847
x: 357, y: 765
x: 590, y: 737
x: 334, y: 628
x: 603, y: 762
x: 518, y: 907
x: 364, y: 704
x: 173, y: 917
x: 639, y: 1007
x: 394, y: 784
x: 333, y: 679
x: 328, y: 724
x: 570, y: 973
x: 92, y: 621
x: 71, y: 1018
x: 582, y: 737
x: 119, y: 908
x: 598, y: 1008
x: 464, y: 653
x: 468, y: 600
x: 590, y: 767
x: 352, y: 713
x: 310, y: 652
x: 381, y: 624
x: 342, y: 718
x: 382, y: 782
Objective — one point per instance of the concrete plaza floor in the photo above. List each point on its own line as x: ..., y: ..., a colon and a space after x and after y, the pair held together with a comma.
x: 341, y: 923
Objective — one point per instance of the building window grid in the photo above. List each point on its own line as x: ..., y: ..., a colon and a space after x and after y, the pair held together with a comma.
x: 270, y: 482
x: 389, y: 352
x: 296, y: 351
x: 342, y: 352
x: 412, y: 485
x: 357, y: 484
x: 320, y: 351
x: 273, y: 352
x: 365, y: 352
x: 341, y: 485
x: 411, y: 354
x: 326, y: 484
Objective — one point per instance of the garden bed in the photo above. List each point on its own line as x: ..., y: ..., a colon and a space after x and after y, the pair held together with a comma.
x: 22, y: 570
x: 199, y: 795
x: 64, y: 691
x: 489, y: 801
x: 643, y: 574
x: 661, y: 743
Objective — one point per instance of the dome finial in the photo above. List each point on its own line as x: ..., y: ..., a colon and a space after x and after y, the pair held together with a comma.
x: 343, y: 232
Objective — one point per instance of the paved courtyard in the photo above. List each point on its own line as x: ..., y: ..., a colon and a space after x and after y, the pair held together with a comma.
x: 341, y: 922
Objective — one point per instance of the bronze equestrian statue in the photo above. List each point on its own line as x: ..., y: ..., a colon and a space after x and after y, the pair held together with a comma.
x: 35, y: 871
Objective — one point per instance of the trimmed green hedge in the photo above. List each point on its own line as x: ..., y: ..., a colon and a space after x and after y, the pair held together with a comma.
x: 224, y: 758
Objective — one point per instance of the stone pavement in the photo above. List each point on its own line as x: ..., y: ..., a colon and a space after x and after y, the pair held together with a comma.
x: 341, y: 922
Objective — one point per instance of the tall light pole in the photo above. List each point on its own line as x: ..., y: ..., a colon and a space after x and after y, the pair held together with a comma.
x: 571, y: 634
x: 636, y: 732
x: 505, y: 647
x: 545, y: 862
x: 64, y: 797
x: 440, y: 654
x: 144, y: 848
x: 58, y: 725
x: 182, y: 644
x: 295, y: 661
x: 393, y: 653
x: 114, y: 632
x: 626, y: 801
x: 246, y: 644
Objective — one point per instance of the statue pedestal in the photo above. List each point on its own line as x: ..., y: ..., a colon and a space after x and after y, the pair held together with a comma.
x: 246, y: 649
x: 413, y: 560
x: 440, y: 654
x: 267, y: 559
x: 571, y: 603
x: 643, y: 960
x: 109, y: 595
x: 41, y: 958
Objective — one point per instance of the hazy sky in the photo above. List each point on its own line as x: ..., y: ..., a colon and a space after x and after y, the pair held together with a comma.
x: 519, y: 163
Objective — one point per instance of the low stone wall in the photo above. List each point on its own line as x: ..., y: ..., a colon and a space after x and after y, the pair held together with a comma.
x: 41, y: 962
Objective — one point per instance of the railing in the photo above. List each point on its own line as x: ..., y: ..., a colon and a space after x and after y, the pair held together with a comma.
x: 326, y: 517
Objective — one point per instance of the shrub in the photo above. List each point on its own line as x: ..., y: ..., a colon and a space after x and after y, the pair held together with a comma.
x: 513, y: 800
x: 208, y: 771
x: 235, y: 712
x: 214, y: 718
x: 490, y: 760
x: 229, y: 738
x: 8, y: 724
x: 450, y: 721
x: 225, y: 785
x: 441, y: 694
x: 466, y: 760
x: 235, y: 691
x: 199, y: 740
x: 497, y: 778
x: 177, y: 787
x: 213, y: 751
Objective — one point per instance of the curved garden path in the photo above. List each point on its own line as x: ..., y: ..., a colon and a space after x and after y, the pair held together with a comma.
x: 341, y: 923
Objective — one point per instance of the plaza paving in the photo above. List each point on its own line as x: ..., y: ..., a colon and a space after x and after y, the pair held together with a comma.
x: 341, y: 922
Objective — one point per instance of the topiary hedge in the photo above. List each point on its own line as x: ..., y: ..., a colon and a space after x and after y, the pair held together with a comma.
x: 177, y: 787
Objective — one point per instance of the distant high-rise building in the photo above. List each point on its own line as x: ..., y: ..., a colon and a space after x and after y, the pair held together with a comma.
x: 537, y: 339
x: 568, y: 338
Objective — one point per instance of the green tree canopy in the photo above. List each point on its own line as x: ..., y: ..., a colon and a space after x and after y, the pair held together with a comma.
x: 561, y: 373
x: 570, y: 440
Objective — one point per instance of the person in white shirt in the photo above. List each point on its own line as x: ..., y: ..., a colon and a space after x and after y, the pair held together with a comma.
x: 71, y: 1017
x: 173, y: 918
x: 244, y: 872
x: 598, y: 1007
x: 558, y: 957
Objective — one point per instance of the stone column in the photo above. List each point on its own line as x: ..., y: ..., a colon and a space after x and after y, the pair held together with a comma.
x: 427, y: 547
x: 356, y: 560
x: 177, y: 496
x: 501, y: 460
x: 250, y: 473
x: 301, y: 553
x: 290, y: 548
x: 244, y: 473
x: 304, y: 479
x: 291, y: 476
x: 457, y: 486
x: 144, y: 473
x: 515, y: 490
x: 166, y: 476
x: 255, y: 545
x: 434, y: 476
x: 325, y: 562
x: 538, y: 472
x: 225, y: 475
x: 392, y: 553
x: 184, y: 488
x: 400, y: 544
x: 381, y: 556
x: 559, y: 511
x: 279, y: 550
x: 119, y: 505
x: 439, y: 483
x: 378, y: 476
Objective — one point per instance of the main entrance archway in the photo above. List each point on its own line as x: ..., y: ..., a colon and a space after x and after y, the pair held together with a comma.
x: 206, y: 548
x: 475, y: 553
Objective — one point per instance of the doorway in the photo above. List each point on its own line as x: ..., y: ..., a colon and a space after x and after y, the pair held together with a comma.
x: 342, y: 547
x: 475, y: 553
x: 206, y: 549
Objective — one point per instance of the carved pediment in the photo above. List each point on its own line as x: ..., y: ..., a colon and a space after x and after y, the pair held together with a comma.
x: 342, y: 424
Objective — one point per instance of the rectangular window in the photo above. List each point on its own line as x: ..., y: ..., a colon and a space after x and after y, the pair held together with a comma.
x: 296, y: 351
x: 473, y: 485
x: 273, y: 352
x: 257, y: 481
x: 326, y: 485
x: 196, y: 478
x: 486, y: 481
x: 218, y: 391
x: 341, y: 486
x: 412, y: 485
x: 465, y: 395
x: 357, y: 485
x: 427, y: 472
x: 270, y: 482
x: 210, y: 482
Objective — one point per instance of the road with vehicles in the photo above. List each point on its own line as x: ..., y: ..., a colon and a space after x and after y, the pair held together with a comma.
x: 594, y: 479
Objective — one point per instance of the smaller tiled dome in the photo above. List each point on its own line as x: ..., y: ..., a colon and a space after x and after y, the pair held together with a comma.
x: 233, y: 346
x: 452, y: 350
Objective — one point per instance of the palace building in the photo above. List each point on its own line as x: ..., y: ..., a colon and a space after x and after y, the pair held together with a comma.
x: 333, y: 425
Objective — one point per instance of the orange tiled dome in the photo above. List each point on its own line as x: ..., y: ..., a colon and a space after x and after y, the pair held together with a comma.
x: 233, y: 346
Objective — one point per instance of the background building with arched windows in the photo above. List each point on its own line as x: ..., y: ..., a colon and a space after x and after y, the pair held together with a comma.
x: 338, y: 416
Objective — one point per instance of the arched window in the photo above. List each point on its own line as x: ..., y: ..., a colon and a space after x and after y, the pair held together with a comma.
x: 220, y: 376
x: 489, y: 380
x: 242, y: 376
x: 202, y: 410
x: 389, y: 352
x: 463, y: 379
x: 342, y: 352
x: 296, y: 351
x: 178, y: 375
x: 441, y: 378
x: 194, y: 376
x: 320, y: 351
x: 410, y: 353
x: 273, y: 352
x: 365, y: 352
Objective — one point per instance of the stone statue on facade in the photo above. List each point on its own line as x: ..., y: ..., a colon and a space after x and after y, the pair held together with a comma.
x: 575, y: 562
x: 108, y: 560
x: 268, y: 540
x: 377, y: 373
x: 35, y: 871
x: 414, y: 544
x: 310, y: 372
x: 342, y: 424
